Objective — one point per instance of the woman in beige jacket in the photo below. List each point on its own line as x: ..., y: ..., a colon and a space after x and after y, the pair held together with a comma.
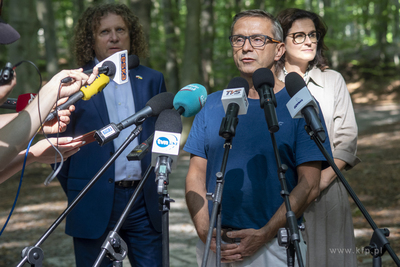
x: 329, y: 226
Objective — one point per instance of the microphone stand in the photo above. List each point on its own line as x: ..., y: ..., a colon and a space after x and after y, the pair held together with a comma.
x: 162, y: 170
x: 378, y: 244
x: 34, y: 254
x: 289, y: 236
x: 216, y: 210
x: 227, y: 131
x: 114, y: 246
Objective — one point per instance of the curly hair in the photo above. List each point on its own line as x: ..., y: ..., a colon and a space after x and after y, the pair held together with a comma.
x: 287, y: 17
x: 90, y: 21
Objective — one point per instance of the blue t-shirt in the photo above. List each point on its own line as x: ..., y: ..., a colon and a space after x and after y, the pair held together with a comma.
x: 251, y: 193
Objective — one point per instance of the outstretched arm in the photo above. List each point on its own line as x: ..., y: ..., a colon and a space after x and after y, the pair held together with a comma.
x: 41, y: 152
x: 16, y: 134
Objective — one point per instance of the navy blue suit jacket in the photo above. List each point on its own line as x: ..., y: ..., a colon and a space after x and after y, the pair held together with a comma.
x: 90, y: 217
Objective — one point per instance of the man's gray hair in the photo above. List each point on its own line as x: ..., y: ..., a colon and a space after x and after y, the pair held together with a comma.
x: 276, y: 30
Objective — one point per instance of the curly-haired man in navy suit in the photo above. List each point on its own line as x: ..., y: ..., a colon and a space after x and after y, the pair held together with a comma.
x: 102, y: 31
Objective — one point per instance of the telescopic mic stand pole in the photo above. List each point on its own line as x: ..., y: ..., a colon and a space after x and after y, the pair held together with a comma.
x: 378, y: 244
x: 216, y: 210
x: 227, y: 131
x: 162, y: 170
x: 289, y: 236
x: 33, y: 254
x: 114, y: 247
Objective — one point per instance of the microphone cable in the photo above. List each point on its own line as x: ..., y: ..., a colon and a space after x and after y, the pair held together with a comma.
x: 27, y: 149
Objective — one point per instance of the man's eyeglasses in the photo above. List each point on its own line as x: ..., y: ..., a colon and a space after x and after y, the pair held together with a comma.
x: 300, y: 37
x: 257, y: 40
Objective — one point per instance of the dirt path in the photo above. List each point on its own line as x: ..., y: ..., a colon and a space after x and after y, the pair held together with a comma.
x: 375, y: 181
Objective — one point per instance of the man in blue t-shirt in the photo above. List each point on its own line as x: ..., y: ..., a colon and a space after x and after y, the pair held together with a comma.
x: 251, y: 203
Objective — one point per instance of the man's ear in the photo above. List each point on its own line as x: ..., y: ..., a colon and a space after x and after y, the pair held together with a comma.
x: 279, y: 51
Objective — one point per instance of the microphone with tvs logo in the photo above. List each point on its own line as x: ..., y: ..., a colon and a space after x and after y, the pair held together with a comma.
x: 188, y: 102
x: 153, y: 107
x: 264, y: 83
x: 165, y: 148
x: 303, y: 104
x: 234, y: 101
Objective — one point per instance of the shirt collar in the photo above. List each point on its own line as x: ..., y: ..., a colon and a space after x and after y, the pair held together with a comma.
x: 315, y: 76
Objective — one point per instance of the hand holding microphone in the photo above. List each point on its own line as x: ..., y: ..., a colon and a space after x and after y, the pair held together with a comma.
x: 303, y: 104
x: 85, y: 93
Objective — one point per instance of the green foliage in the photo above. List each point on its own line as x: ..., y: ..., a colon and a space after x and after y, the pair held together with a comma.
x: 361, y: 32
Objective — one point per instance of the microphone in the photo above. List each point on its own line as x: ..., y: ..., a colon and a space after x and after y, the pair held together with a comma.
x: 264, y: 83
x: 190, y: 99
x: 86, y: 92
x: 303, y: 104
x: 114, y: 64
x: 141, y: 150
x: 153, y: 107
x: 109, y: 69
x: 234, y: 100
x: 165, y: 148
x: 187, y: 102
x: 19, y: 103
x: 6, y: 74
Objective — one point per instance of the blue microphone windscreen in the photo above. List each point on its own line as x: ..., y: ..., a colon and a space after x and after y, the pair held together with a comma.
x: 239, y: 82
x: 169, y: 120
x: 192, y: 98
x: 294, y: 83
x: 133, y: 61
x: 263, y: 76
x: 160, y: 102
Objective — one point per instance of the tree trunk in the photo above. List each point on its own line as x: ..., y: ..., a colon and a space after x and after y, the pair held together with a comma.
x: 79, y: 8
x: 23, y: 18
x: 381, y: 27
x: 170, y: 12
x: 396, y: 25
x: 260, y: 4
x: 142, y: 9
x: 191, y: 70
x: 46, y: 16
x: 208, y: 34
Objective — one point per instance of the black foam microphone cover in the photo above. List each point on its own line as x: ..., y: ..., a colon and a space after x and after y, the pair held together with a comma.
x: 294, y: 83
x: 111, y: 68
x: 239, y: 82
x: 133, y: 61
x: 160, y: 102
x: 169, y: 120
x: 263, y: 76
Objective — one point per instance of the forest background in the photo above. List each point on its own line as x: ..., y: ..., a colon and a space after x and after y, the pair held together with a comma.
x: 188, y: 39
x: 188, y: 43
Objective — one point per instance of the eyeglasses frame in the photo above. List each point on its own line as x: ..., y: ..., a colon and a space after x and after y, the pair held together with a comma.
x: 267, y: 38
x: 306, y: 34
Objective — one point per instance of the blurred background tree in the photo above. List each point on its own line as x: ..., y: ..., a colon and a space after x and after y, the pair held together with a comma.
x: 188, y: 39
